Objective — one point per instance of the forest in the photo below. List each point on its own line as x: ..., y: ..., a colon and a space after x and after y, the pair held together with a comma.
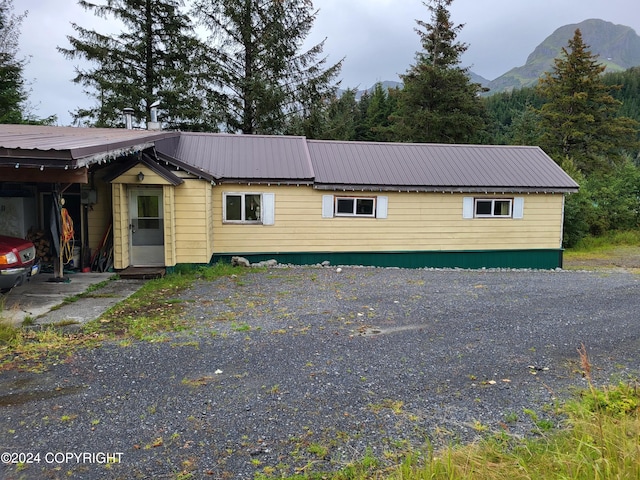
x: 249, y: 74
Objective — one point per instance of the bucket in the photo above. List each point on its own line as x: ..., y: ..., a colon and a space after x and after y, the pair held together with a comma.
x: 75, y: 259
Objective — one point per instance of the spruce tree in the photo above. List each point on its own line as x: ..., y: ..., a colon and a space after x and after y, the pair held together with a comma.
x: 438, y: 102
x: 265, y: 79
x: 155, y: 58
x: 378, y: 114
x: 341, y: 117
x: 12, y: 88
x: 580, y: 119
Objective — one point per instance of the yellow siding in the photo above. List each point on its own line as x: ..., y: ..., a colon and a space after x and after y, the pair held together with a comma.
x: 169, y: 214
x: 188, y: 219
x: 99, y: 214
x: 120, y: 226
x: 193, y: 222
x: 416, y: 221
x: 131, y: 177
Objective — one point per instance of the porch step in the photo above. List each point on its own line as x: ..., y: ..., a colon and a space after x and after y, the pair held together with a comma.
x: 142, y: 273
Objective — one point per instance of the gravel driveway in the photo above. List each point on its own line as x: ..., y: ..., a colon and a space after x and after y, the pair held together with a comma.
x: 307, y: 368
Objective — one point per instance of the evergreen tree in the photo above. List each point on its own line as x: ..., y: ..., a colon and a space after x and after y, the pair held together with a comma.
x: 12, y: 87
x: 156, y: 58
x: 525, y: 128
x: 438, y: 102
x: 580, y: 117
x: 629, y: 93
x: 511, y: 119
x: 265, y: 80
x: 362, y: 123
x: 378, y: 114
x: 342, y: 117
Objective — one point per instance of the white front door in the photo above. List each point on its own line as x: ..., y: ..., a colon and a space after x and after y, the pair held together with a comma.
x: 146, y: 227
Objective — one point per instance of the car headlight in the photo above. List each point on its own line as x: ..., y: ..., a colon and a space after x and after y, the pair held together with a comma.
x: 8, y: 258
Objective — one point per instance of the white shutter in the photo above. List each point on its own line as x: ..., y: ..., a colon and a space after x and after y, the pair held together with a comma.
x: 327, y: 206
x: 467, y: 207
x: 382, y: 207
x: 518, y: 207
x: 268, y: 209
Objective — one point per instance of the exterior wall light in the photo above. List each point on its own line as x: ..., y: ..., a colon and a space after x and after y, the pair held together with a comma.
x: 140, y: 176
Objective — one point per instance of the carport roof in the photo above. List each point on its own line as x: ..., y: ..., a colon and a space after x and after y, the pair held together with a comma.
x: 37, y: 145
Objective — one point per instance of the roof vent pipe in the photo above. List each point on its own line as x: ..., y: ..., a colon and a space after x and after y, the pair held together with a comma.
x: 153, y: 124
x: 154, y: 111
x: 128, y: 118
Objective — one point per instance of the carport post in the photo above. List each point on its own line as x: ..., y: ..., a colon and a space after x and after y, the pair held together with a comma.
x: 56, y: 234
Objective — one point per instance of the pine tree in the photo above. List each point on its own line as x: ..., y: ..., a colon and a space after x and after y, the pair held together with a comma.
x: 12, y: 87
x: 580, y: 117
x: 378, y: 114
x: 265, y: 79
x: 341, y: 117
x: 629, y: 93
x: 438, y: 102
x: 155, y: 58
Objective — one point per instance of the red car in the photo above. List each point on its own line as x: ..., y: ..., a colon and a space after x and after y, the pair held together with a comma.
x: 18, y: 262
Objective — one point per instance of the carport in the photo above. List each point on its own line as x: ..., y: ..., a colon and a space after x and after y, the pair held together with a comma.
x: 44, y: 170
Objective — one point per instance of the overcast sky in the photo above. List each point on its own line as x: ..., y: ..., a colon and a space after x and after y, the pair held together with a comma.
x: 376, y: 38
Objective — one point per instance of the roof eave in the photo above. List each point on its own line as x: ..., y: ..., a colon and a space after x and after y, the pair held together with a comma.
x: 443, y: 188
x: 196, y: 172
x: 69, y: 158
x: 268, y: 181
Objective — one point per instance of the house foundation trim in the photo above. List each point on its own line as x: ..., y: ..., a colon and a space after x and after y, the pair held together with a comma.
x: 540, y: 259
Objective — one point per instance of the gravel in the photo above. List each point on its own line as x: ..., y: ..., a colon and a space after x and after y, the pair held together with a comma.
x: 308, y: 368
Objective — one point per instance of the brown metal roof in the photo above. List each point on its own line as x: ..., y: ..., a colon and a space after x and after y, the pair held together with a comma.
x: 73, y: 146
x: 354, y: 165
x: 242, y: 157
x: 289, y: 159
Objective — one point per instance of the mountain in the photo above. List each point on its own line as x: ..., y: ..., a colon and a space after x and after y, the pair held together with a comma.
x: 386, y: 85
x: 475, y: 78
x: 617, y: 47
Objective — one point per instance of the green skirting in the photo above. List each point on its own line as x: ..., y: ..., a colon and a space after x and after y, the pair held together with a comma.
x: 546, y: 259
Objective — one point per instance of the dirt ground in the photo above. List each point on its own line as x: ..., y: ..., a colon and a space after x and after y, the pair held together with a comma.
x: 622, y: 257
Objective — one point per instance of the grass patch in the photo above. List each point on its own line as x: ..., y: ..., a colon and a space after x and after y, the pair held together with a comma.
x: 154, y: 309
x: 33, y: 350
x: 146, y: 315
x: 599, y: 439
x: 8, y: 333
x: 607, y: 242
x: 615, y: 250
x: 197, y: 382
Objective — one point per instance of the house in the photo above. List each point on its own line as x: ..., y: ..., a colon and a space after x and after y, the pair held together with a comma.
x: 172, y: 198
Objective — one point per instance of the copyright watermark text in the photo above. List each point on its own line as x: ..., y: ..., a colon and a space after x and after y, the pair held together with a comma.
x: 60, y: 457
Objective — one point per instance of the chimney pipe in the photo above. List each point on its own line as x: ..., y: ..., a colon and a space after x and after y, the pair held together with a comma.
x: 128, y: 118
x: 153, y: 124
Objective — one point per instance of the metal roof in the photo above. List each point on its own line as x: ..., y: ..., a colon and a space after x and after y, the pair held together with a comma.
x: 433, y: 167
x: 71, y: 146
x: 243, y: 157
x: 290, y: 159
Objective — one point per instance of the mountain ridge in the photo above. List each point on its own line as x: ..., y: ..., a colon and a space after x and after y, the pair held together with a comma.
x: 617, y: 47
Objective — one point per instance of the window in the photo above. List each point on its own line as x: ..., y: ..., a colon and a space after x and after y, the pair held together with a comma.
x: 489, y: 207
x: 148, y: 212
x: 493, y: 207
x: 355, y: 206
x: 255, y: 208
x: 342, y: 206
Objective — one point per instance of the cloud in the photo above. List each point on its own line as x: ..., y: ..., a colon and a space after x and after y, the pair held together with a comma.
x: 376, y: 38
